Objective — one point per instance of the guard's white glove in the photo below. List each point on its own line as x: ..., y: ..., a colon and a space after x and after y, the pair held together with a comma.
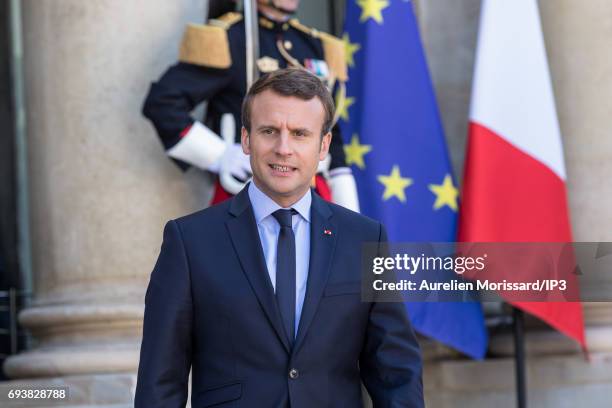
x: 234, y: 162
x: 202, y: 148
x: 235, y: 166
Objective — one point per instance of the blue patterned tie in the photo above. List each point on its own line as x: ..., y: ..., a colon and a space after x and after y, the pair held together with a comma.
x: 285, y: 271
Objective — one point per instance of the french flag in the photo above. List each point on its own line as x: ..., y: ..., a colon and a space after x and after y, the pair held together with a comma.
x: 514, y: 186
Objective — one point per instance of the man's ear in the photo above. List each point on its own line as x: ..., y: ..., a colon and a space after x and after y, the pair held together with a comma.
x: 245, y: 141
x: 325, y: 141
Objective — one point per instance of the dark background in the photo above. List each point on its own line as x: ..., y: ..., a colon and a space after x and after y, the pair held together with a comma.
x: 8, y: 233
x: 9, y: 268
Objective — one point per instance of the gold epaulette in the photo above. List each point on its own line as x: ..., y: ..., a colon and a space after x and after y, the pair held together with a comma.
x: 207, y: 45
x: 227, y: 19
x: 333, y: 48
x: 295, y: 23
x: 334, y: 55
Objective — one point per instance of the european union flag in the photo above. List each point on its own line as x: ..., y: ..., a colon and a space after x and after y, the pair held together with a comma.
x: 395, y: 143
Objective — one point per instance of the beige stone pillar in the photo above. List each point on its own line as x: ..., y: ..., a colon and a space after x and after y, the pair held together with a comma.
x: 101, y: 186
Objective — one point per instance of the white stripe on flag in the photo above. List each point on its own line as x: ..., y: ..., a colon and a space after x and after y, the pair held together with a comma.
x: 512, y: 92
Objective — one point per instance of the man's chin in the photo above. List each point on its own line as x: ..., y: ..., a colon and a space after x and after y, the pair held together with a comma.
x: 285, y: 190
x: 288, y: 8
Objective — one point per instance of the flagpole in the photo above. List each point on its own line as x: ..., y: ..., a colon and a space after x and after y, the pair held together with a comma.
x: 519, y: 357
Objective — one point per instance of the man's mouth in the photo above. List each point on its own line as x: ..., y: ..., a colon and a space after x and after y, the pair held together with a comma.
x: 282, y: 168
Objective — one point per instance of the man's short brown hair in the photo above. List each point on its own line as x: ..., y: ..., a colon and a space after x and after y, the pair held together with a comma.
x: 291, y: 82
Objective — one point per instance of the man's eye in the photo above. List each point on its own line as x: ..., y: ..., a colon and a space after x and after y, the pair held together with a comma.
x: 300, y: 133
x: 268, y: 131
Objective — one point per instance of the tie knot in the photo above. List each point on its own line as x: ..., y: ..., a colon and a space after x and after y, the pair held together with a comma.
x: 284, y: 217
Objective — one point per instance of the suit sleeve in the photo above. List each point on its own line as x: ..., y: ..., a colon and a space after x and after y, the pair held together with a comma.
x: 172, y: 98
x: 165, y: 354
x: 390, y: 363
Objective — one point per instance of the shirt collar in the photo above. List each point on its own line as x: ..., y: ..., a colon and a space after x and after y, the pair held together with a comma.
x: 263, y: 205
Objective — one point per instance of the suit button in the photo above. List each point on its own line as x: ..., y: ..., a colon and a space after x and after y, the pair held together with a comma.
x: 293, y: 374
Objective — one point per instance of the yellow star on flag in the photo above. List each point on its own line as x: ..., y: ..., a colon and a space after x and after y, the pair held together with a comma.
x: 343, y: 103
x: 372, y: 9
x: 355, y: 151
x: 395, y: 184
x: 446, y: 194
x: 349, y: 49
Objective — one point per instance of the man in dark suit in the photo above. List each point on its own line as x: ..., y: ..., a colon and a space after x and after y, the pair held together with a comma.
x: 260, y: 295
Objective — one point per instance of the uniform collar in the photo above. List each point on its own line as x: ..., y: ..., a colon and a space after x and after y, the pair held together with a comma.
x: 272, y: 25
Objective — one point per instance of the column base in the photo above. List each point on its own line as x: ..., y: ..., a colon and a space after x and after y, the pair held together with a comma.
x: 548, y: 342
x: 76, y: 360
x: 559, y: 381
x: 91, y: 391
x: 79, y: 339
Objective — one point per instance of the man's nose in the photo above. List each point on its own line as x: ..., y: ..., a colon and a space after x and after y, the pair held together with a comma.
x: 283, y: 144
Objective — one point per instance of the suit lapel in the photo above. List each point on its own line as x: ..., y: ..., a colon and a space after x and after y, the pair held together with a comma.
x: 243, y: 233
x: 323, y: 237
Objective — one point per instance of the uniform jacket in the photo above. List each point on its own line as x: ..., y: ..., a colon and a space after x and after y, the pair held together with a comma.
x: 183, y: 86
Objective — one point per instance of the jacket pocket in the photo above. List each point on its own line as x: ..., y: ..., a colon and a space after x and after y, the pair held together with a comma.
x: 224, y: 393
x: 344, y: 288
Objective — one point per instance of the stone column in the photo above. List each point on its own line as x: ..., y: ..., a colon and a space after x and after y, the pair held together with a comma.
x: 101, y: 186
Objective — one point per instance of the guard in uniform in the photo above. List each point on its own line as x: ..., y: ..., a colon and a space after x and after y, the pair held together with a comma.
x: 212, y: 68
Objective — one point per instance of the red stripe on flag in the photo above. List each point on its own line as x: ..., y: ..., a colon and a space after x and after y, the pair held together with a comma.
x: 565, y: 317
x: 509, y: 196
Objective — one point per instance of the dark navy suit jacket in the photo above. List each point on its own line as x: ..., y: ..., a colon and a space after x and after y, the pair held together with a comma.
x: 210, y: 306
